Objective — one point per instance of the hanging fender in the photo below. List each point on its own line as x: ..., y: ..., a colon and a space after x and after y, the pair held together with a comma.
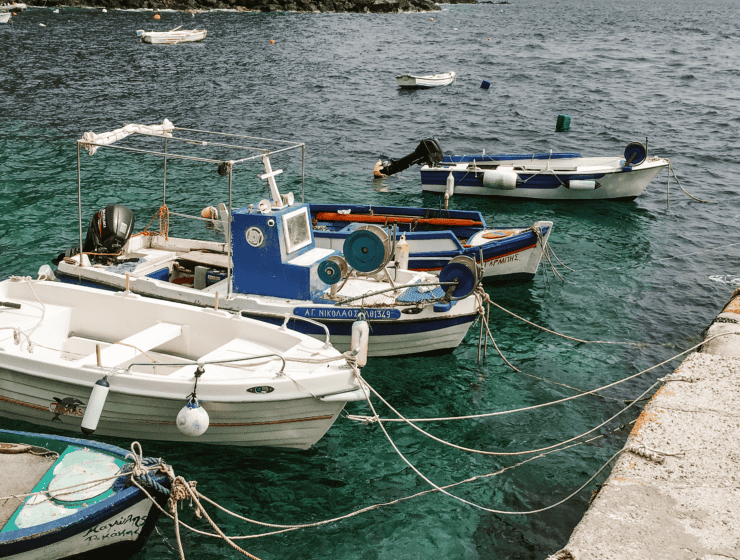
x: 502, y: 178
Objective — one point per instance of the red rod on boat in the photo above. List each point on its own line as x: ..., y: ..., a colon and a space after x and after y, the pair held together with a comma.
x: 382, y: 219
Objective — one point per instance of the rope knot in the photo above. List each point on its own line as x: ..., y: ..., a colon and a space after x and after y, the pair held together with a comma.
x: 181, y: 490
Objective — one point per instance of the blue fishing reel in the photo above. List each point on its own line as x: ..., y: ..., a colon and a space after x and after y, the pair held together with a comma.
x: 367, y: 249
x: 462, y: 270
x: 332, y: 270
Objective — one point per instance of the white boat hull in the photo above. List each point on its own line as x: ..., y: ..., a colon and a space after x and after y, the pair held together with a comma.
x: 4, y: 17
x: 550, y: 180
x: 408, y: 81
x: 172, y: 37
x: 115, y: 532
x: 392, y: 332
x: 252, y: 402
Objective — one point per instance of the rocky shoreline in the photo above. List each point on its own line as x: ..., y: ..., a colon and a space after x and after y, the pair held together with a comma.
x: 356, y: 6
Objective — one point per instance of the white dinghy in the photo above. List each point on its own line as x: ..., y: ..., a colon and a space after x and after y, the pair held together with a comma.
x: 128, y: 366
x: 268, y: 266
x: 172, y: 37
x: 410, y: 81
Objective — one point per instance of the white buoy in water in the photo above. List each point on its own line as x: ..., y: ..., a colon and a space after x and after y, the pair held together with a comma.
x: 105, y: 11
x: 360, y: 339
x: 95, y: 406
x: 402, y: 253
x: 192, y: 420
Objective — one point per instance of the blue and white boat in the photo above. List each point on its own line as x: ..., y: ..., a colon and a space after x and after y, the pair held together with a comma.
x: 549, y: 176
x: 546, y: 176
x: 435, y: 237
x: 269, y: 266
x: 65, y: 497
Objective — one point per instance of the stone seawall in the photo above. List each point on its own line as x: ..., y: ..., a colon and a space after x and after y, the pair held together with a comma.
x: 356, y: 6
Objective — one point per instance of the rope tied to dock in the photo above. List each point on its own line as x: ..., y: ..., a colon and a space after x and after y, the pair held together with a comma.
x: 655, y: 455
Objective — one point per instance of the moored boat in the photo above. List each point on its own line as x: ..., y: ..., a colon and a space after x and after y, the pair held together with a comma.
x: 4, y: 17
x: 411, y: 81
x: 269, y: 266
x: 71, y: 498
x: 435, y: 237
x: 248, y: 382
x: 173, y: 37
x: 548, y: 176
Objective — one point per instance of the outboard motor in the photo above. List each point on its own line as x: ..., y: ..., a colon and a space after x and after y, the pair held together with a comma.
x: 109, y: 230
x: 427, y: 152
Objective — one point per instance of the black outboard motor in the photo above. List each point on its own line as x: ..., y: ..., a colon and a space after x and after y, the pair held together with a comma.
x: 109, y: 229
x: 108, y: 232
x: 428, y: 152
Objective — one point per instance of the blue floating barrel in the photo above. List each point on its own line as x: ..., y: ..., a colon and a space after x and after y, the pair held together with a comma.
x: 563, y: 123
x: 485, y: 85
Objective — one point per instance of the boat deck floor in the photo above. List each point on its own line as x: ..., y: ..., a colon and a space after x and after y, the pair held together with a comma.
x: 21, y: 472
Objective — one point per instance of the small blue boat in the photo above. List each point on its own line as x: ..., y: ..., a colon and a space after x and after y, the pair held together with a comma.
x: 435, y: 237
x: 61, y: 498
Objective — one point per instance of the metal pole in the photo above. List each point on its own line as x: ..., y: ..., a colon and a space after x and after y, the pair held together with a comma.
x: 164, y: 187
x: 79, y: 199
x: 228, y: 236
x: 303, y: 173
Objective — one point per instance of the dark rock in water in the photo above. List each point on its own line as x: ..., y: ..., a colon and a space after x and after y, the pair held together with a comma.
x: 357, y: 6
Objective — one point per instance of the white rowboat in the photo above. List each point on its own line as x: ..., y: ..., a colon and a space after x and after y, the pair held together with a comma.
x: 260, y: 384
x: 171, y: 37
x: 409, y: 81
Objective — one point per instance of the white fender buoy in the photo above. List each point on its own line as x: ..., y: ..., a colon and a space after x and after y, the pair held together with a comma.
x: 46, y: 273
x: 95, y: 406
x: 449, y: 188
x: 402, y: 253
x: 105, y: 11
x: 192, y: 420
x: 360, y: 339
x: 582, y: 185
x: 502, y: 177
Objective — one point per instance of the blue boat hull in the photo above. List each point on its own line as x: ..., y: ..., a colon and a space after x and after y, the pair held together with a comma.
x: 116, y: 526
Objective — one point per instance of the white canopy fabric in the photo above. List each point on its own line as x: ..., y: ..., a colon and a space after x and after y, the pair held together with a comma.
x: 165, y: 130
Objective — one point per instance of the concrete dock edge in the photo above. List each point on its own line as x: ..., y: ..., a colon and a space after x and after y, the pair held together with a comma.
x: 675, y: 491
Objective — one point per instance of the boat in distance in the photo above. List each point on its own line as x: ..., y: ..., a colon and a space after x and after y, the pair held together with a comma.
x: 411, y: 81
x: 69, y: 502
x: 173, y: 37
x: 256, y: 384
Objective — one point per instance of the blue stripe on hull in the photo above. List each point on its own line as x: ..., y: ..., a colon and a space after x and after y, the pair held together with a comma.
x: 377, y: 328
x: 529, y: 181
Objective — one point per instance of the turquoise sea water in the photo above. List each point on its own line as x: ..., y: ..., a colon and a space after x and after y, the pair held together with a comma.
x: 643, y: 272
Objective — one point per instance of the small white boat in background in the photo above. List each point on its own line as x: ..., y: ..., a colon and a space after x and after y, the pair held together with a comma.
x: 172, y: 37
x: 4, y: 17
x: 13, y: 7
x: 409, y: 81
x: 71, y: 497
x: 124, y: 365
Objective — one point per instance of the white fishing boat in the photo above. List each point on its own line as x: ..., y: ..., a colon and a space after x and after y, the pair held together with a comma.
x: 12, y: 7
x: 71, y: 498
x: 172, y: 37
x: 548, y: 176
x: 267, y: 265
x: 4, y: 17
x: 120, y: 364
x: 410, y: 81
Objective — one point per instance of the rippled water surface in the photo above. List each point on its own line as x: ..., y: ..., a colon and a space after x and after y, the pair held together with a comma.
x: 643, y: 271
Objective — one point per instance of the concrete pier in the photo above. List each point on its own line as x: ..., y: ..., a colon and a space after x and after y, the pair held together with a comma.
x: 675, y: 493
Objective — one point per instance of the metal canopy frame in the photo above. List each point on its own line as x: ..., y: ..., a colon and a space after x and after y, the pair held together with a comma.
x: 262, y: 152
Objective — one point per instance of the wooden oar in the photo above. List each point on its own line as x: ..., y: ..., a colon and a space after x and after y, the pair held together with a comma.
x: 382, y: 219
